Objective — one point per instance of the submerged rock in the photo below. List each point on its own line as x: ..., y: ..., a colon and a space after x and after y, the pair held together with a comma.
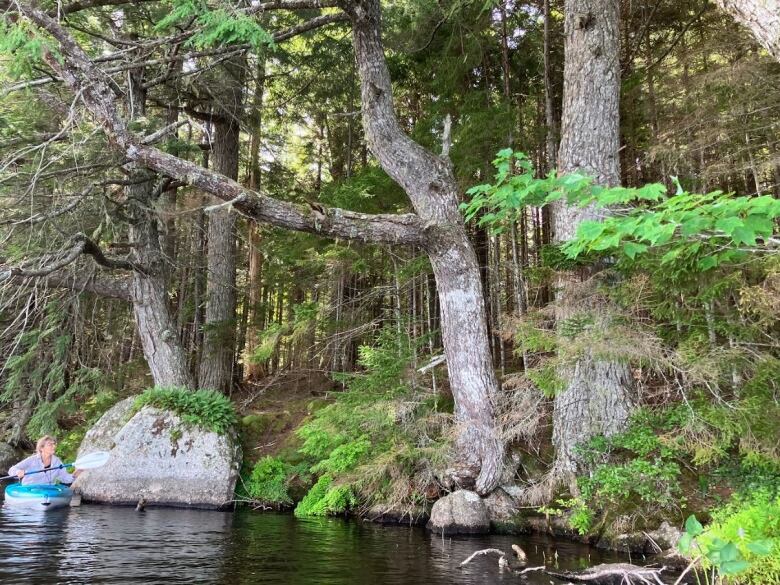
x: 158, y: 458
x: 461, y: 512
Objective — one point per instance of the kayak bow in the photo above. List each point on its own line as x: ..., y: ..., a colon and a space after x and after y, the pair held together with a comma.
x: 40, y: 496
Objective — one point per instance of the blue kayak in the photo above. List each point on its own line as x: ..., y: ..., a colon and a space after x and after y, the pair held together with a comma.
x: 41, y: 496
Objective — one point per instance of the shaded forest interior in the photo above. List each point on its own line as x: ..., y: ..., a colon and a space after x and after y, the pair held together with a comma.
x: 325, y: 307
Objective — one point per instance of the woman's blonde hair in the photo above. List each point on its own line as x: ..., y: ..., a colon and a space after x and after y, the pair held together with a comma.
x: 42, y: 442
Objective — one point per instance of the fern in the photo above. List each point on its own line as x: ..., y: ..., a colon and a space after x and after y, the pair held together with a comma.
x: 205, y: 408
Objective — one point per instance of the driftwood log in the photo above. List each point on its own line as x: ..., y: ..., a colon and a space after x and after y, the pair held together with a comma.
x: 612, y: 574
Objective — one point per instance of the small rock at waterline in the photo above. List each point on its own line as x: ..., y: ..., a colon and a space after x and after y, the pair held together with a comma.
x: 461, y: 512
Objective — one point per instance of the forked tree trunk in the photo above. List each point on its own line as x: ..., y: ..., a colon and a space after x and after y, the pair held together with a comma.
x: 431, y: 186
x: 599, y: 394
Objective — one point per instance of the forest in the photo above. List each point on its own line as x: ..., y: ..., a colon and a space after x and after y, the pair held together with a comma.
x: 404, y: 248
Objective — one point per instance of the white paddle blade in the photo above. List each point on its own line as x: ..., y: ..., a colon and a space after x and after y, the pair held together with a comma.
x: 92, y: 461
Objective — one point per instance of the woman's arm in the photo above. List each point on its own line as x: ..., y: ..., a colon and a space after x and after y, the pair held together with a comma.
x: 23, y: 465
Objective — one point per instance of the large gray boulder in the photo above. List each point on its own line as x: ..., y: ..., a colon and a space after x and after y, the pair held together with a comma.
x: 157, y: 457
x: 101, y: 436
x: 461, y: 512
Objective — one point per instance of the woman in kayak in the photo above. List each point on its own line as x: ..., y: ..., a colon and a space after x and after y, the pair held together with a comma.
x: 44, y: 459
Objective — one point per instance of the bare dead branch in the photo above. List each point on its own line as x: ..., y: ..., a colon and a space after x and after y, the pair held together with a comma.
x: 41, y: 217
x: 79, y: 244
x: 175, y: 56
x: 625, y: 571
x: 484, y: 551
x: 162, y: 132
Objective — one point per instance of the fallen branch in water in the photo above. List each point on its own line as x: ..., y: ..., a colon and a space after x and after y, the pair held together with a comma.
x: 502, y: 562
x: 622, y: 573
x: 485, y: 551
x: 530, y: 569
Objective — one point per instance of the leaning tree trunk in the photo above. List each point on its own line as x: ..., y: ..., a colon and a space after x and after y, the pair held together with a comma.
x: 762, y: 17
x: 599, y: 394
x: 219, y: 335
x: 149, y: 292
x: 431, y: 186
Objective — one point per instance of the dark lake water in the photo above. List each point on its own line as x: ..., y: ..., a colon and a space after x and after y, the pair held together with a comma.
x: 102, y: 544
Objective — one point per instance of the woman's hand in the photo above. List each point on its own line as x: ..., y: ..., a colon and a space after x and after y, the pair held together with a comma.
x: 20, y: 473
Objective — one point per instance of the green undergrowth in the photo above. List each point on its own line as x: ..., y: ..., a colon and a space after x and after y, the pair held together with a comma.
x: 741, y: 546
x: 378, y: 441
x: 206, y: 409
x: 92, y: 409
x: 677, y: 459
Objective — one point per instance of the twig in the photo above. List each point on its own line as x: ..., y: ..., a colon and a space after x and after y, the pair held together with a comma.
x: 230, y: 203
x: 688, y: 568
x: 530, y: 569
x: 485, y: 551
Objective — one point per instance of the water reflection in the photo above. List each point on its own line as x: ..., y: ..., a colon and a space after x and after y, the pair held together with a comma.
x: 101, y: 544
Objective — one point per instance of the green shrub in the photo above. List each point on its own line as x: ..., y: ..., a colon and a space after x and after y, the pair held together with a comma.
x: 203, y: 408
x: 636, y: 469
x: 268, y: 482
x: 325, y: 499
x: 752, y: 524
x: 741, y: 546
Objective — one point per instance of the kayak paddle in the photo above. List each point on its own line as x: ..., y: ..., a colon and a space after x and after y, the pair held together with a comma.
x: 91, y: 461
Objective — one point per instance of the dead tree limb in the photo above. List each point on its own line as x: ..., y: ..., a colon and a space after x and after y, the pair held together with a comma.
x: 485, y: 551
x: 613, y: 574
x: 82, y: 75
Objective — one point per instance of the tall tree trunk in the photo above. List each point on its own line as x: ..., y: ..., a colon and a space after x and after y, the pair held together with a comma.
x: 253, y: 370
x: 149, y: 292
x: 599, y: 394
x: 762, y: 17
x: 216, y: 366
x: 431, y: 186
x: 549, y: 110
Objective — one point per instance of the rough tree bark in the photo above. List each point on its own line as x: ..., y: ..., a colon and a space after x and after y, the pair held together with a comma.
x: 433, y: 191
x: 599, y: 394
x: 149, y: 291
x: 549, y: 110
x: 437, y: 227
x: 219, y: 335
x: 762, y: 17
